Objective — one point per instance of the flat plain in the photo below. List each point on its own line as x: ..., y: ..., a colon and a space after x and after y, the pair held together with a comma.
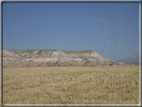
x: 71, y: 85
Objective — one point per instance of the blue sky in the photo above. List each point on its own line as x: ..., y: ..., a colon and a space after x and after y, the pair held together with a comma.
x: 111, y: 29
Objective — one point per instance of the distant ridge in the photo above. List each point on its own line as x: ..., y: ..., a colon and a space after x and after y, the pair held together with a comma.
x: 133, y: 59
x: 54, y: 57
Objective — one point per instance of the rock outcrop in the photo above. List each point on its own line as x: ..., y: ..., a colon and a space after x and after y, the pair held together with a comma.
x: 47, y: 58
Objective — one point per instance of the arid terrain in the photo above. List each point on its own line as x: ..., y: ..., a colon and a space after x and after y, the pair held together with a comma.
x: 71, y: 85
x: 50, y: 58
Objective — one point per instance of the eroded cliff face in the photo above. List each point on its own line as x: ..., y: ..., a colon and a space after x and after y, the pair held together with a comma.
x: 46, y: 58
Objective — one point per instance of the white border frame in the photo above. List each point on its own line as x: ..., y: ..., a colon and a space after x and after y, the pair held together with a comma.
x: 140, y: 33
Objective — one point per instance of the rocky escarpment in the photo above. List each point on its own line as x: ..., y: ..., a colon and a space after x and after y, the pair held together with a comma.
x: 46, y: 58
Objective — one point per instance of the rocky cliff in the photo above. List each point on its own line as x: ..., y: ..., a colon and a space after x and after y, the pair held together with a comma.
x: 46, y: 58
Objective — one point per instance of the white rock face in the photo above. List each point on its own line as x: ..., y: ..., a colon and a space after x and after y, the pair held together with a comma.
x: 57, y: 53
x: 44, y: 59
x: 24, y: 58
x: 7, y: 54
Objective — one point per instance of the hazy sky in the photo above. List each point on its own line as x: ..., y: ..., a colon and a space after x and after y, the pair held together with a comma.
x: 111, y: 29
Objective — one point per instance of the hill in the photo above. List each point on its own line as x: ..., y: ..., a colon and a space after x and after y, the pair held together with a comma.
x: 45, y: 58
x: 133, y: 59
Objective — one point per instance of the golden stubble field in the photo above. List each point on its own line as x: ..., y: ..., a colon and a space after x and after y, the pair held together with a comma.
x: 71, y: 85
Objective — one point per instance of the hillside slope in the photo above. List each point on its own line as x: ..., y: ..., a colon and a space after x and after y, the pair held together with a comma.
x: 39, y: 58
x: 134, y: 58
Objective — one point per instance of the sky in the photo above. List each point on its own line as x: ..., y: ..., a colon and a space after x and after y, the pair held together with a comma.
x: 110, y: 29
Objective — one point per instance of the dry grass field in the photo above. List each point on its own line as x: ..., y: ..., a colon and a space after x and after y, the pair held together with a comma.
x: 71, y: 85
